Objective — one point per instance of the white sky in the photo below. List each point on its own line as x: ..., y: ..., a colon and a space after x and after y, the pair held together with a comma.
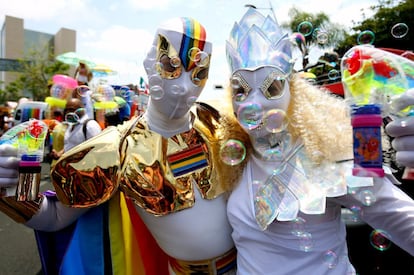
x: 119, y: 33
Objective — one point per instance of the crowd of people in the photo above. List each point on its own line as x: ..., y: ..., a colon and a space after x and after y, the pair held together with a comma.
x: 5, y: 122
x: 252, y: 185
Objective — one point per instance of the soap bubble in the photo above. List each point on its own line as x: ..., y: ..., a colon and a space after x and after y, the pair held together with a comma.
x: 232, y: 152
x: 380, y: 240
x: 399, y: 30
x: 305, y: 28
x: 275, y: 121
x: 250, y: 115
x: 366, y: 37
x: 330, y: 259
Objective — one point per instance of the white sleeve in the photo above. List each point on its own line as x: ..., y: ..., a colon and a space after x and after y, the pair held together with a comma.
x: 53, y: 216
x: 87, y: 102
x: 92, y: 129
x: 392, y: 211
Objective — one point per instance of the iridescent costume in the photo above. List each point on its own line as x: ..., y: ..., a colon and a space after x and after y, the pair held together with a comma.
x: 286, y: 210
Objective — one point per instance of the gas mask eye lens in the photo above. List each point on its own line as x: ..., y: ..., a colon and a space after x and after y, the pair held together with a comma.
x: 199, y: 76
x: 240, y: 88
x: 196, y: 81
x: 275, y: 89
x: 169, y: 68
x: 165, y: 64
x: 175, y: 62
x: 73, y: 116
x: 273, y: 86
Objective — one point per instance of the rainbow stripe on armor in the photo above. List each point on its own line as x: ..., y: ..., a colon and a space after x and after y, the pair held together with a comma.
x: 187, y: 161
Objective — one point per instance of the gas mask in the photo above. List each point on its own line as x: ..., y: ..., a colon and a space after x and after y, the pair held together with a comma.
x: 73, y: 116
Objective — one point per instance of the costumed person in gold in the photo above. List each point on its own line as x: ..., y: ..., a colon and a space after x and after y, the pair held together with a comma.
x: 164, y: 167
x: 286, y: 210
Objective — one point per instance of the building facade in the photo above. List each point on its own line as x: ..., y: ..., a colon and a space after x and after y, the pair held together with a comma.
x: 16, y: 42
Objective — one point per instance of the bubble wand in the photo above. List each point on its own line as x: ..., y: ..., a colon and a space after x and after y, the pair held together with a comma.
x: 29, y: 138
x: 373, y: 79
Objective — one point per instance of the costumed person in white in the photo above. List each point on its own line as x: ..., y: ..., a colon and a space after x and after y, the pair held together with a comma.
x: 166, y: 162
x: 286, y: 210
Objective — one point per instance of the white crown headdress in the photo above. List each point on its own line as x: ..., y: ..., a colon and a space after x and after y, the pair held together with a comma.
x: 258, y: 41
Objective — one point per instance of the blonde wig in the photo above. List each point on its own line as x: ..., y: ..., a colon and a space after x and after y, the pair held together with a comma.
x: 321, y: 120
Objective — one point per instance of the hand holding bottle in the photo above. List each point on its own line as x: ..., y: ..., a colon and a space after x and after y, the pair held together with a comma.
x: 9, y: 173
x: 28, y: 141
x: 375, y: 79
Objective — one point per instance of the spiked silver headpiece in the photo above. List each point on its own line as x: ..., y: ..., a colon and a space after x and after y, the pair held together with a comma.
x: 258, y: 41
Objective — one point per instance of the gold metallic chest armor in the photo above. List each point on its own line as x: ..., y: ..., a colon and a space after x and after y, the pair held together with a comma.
x: 157, y: 173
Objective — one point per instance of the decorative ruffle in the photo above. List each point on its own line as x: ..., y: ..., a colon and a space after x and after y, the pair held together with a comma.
x: 298, y: 185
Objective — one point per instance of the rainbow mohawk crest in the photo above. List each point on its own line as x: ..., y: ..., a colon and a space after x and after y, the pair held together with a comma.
x: 258, y: 41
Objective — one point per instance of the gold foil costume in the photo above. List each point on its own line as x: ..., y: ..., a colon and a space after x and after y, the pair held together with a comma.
x: 156, y: 172
x: 20, y: 211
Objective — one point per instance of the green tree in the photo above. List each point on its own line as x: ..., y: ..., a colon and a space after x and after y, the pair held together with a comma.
x: 10, y: 94
x: 38, y: 68
x: 386, y: 15
x: 317, y: 29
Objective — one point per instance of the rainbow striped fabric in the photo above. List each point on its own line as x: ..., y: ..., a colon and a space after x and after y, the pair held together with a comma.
x: 194, y: 36
x: 110, y: 239
x: 188, y: 160
x: 28, y: 113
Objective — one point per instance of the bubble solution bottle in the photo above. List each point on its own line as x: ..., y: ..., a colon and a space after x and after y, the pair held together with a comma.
x: 29, y: 139
x: 366, y: 121
x: 29, y: 178
x: 30, y: 150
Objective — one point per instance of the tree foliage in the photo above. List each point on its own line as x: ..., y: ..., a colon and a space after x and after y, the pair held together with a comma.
x: 313, y: 26
x: 320, y: 22
x: 386, y: 15
x: 10, y: 94
x: 39, y: 65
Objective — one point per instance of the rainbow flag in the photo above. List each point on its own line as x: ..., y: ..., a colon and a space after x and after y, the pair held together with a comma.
x: 28, y: 113
x: 111, y: 239
x: 187, y: 160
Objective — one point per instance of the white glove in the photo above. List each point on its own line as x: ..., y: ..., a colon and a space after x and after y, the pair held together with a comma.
x: 402, y: 129
x: 9, y: 173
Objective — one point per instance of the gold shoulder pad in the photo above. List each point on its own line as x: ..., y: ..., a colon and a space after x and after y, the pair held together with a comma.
x: 87, y: 175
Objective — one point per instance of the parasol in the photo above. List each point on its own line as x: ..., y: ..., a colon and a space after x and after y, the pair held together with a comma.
x: 102, y: 70
x: 73, y: 58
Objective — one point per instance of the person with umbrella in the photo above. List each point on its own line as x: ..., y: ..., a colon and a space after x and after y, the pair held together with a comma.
x: 83, y: 64
x: 82, y: 74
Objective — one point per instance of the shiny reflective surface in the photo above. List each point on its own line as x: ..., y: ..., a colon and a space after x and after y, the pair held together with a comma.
x: 156, y: 172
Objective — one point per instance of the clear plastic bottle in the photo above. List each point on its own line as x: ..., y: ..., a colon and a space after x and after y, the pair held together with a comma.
x: 366, y: 122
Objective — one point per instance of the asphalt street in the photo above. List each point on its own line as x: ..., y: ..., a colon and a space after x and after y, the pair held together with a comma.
x: 18, y: 253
